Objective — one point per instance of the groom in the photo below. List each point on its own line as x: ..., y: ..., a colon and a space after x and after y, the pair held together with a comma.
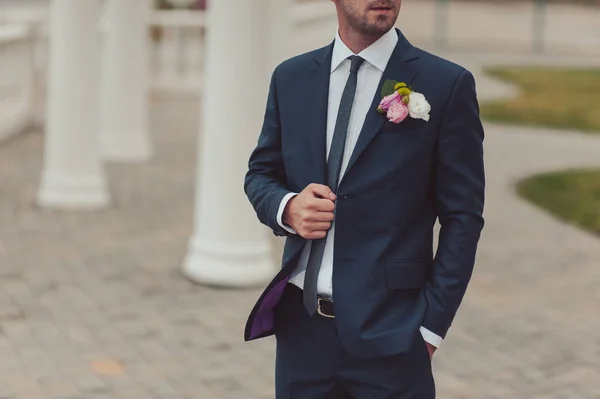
x: 356, y: 184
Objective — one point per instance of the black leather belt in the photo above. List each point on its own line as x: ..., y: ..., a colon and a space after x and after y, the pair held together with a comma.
x: 324, y: 303
x: 325, y: 307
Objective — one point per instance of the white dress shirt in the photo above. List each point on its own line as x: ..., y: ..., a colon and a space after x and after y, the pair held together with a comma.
x: 376, y: 57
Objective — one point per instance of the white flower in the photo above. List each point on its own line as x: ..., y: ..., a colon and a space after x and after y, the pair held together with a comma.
x: 418, y: 107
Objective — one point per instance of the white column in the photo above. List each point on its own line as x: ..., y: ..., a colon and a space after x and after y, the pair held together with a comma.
x: 281, y: 30
x: 229, y: 247
x: 73, y: 176
x: 124, y: 133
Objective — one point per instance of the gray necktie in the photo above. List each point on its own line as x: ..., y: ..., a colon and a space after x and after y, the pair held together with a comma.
x: 334, y: 166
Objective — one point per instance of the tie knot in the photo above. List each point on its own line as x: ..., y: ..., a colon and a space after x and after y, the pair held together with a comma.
x: 356, y: 62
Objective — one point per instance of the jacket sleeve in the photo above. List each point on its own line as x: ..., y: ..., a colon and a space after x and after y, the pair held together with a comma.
x: 460, y: 190
x: 265, y: 182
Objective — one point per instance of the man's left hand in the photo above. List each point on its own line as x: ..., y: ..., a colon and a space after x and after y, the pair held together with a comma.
x: 431, y: 350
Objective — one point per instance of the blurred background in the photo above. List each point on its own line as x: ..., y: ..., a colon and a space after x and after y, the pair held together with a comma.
x: 130, y: 257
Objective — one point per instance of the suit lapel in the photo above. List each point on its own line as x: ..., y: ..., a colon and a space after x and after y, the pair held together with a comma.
x: 316, y: 110
x: 402, y: 67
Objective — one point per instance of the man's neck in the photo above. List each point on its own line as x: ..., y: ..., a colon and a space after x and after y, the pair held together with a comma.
x: 356, y: 41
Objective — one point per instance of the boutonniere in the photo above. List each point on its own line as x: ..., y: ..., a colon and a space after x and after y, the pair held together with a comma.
x: 399, y: 101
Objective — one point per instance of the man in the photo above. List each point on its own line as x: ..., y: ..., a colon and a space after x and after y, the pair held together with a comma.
x: 356, y: 185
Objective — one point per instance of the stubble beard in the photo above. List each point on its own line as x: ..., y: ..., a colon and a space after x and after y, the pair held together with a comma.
x: 361, y: 24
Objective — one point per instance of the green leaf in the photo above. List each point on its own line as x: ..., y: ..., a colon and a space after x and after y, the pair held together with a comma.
x: 388, y: 87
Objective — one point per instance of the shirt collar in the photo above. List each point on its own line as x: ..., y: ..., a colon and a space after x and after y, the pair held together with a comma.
x: 377, y: 54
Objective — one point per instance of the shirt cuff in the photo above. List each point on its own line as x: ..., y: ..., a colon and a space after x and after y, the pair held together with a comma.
x: 282, y: 206
x: 431, y: 338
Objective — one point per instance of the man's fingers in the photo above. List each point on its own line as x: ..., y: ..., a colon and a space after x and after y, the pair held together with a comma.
x: 317, y: 216
x: 314, y: 214
x: 311, y: 226
x: 314, y: 230
x: 321, y: 191
x: 321, y: 205
x: 315, y: 235
x: 320, y: 226
x: 321, y: 217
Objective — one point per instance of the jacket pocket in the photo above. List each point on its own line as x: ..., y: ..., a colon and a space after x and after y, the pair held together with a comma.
x: 406, y: 275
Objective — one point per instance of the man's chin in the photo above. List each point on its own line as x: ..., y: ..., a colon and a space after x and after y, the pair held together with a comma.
x: 382, y: 24
x: 378, y: 29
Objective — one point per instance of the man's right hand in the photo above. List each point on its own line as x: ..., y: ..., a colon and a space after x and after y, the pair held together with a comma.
x: 310, y: 213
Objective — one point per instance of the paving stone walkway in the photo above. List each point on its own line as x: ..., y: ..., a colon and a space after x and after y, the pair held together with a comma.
x: 92, y: 304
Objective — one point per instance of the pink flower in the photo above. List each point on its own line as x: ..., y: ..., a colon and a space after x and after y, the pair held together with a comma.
x: 388, y: 101
x: 397, y: 112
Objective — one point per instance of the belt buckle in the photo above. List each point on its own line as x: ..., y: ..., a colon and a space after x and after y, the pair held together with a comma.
x: 319, y: 311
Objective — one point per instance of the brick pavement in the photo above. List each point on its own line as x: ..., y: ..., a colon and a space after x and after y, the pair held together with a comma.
x: 92, y: 304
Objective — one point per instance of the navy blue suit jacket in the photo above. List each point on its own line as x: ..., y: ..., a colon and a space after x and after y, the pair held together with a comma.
x: 400, y: 179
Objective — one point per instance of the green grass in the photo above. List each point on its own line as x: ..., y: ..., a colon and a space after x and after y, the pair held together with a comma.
x: 556, y: 98
x: 573, y: 196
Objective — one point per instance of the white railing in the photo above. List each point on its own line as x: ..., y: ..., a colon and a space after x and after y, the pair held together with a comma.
x: 23, y: 60
x: 176, y: 55
x: 16, y: 79
x: 177, y: 50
